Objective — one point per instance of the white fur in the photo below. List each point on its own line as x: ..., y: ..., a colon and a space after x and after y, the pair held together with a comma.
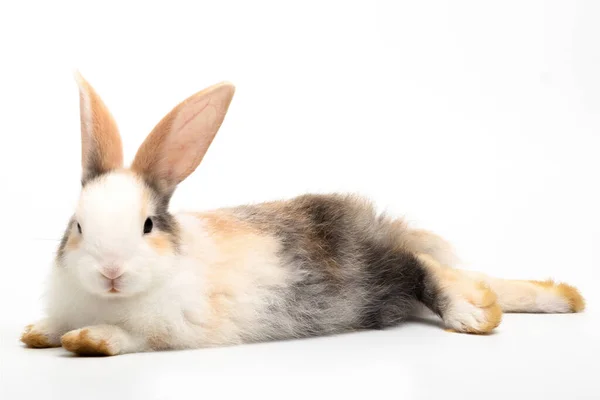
x: 548, y: 302
x: 164, y: 297
x: 112, y: 226
x: 157, y: 313
x: 154, y: 288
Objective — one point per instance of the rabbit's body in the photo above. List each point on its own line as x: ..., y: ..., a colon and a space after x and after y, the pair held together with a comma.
x: 129, y: 276
x: 313, y: 265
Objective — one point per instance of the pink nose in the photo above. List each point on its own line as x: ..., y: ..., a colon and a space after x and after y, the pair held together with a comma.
x: 111, y: 272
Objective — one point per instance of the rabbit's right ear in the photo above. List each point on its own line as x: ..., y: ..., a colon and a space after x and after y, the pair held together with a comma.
x: 177, y: 144
x: 101, y: 147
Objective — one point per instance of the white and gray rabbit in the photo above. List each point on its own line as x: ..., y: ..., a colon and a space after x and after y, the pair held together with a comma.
x: 130, y: 276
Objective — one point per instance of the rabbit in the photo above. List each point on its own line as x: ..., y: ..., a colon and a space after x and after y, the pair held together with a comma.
x: 129, y: 276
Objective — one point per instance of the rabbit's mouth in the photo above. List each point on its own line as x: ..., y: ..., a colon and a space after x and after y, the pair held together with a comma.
x: 114, y: 285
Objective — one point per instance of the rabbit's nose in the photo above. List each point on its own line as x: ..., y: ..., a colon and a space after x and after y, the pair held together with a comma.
x: 112, y: 272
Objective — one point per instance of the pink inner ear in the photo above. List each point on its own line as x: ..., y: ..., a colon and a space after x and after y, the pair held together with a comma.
x: 177, y: 144
x: 191, y: 134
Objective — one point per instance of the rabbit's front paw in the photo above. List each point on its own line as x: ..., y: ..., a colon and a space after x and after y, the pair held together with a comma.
x: 92, y: 341
x: 40, y: 336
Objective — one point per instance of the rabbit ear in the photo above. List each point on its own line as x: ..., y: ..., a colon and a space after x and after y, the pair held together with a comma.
x: 101, y: 147
x: 177, y: 144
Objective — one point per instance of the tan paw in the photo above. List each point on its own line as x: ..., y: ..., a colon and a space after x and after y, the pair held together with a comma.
x: 36, y: 337
x: 570, y: 298
x: 472, y: 308
x: 88, y: 343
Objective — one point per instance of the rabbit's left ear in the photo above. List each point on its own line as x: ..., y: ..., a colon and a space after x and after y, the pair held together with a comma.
x: 101, y: 146
x: 177, y: 144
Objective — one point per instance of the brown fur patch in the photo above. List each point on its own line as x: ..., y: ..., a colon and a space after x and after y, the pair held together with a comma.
x: 230, y: 277
x: 575, y: 299
x: 73, y: 241
x: 35, y: 339
x: 484, y: 298
x: 240, y: 250
x: 445, y: 276
x: 161, y: 243
x: 569, y: 293
x: 549, y: 283
x: 222, y: 224
x: 79, y: 342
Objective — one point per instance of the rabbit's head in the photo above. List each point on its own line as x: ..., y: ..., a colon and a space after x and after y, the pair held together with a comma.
x: 121, y: 239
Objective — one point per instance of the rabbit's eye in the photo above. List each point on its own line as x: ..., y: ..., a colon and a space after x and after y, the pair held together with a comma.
x: 79, y: 227
x: 148, y: 225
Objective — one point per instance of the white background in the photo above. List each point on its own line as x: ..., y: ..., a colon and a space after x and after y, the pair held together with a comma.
x: 479, y: 120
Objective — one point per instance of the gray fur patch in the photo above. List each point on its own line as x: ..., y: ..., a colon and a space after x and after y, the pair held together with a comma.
x: 352, y: 269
